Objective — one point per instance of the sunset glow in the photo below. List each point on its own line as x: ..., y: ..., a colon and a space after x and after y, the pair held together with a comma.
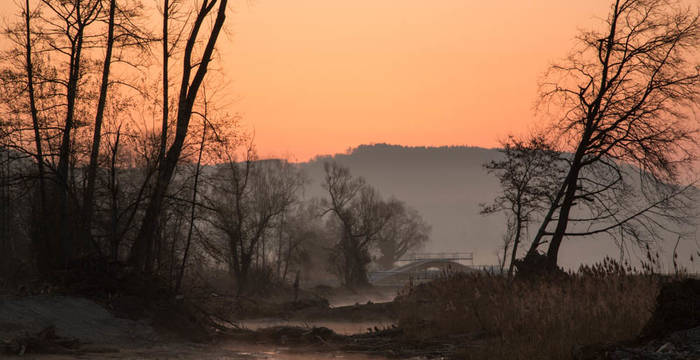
x: 315, y: 77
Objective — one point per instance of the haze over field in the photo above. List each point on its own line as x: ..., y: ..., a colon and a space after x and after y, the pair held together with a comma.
x: 447, y: 184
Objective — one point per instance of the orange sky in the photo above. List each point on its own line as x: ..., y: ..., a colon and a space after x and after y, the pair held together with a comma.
x: 318, y: 76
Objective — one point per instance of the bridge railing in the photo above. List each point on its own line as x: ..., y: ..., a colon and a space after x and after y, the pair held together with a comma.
x: 452, y: 256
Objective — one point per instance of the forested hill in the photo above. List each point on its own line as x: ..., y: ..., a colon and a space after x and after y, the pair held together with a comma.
x: 447, y: 184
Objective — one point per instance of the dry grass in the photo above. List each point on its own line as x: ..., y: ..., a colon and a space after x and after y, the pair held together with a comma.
x: 545, y: 319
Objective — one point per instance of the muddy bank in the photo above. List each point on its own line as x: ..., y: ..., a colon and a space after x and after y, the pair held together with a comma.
x: 320, y: 303
x: 316, y: 311
x: 71, y: 317
x: 65, y: 327
x: 341, y: 327
x: 386, y: 311
x: 383, y: 343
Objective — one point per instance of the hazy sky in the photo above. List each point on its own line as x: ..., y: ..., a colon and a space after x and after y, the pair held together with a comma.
x: 318, y: 76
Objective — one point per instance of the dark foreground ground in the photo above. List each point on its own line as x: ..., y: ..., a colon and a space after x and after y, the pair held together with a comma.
x: 72, y: 327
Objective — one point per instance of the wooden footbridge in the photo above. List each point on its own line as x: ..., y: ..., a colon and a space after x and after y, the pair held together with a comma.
x: 422, y: 267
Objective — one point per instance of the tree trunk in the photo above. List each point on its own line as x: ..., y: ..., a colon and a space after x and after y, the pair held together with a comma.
x: 97, y: 134
x: 567, y: 203
x: 42, y: 249
x: 242, y: 275
x: 114, y: 200
x: 288, y: 257
x: 279, y: 250
x: 188, y: 94
x: 181, y: 274
x: 67, y: 247
x: 166, y: 84
x: 355, y: 261
x: 563, y: 221
x: 516, y: 239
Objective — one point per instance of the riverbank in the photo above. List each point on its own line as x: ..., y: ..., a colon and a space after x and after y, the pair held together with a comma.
x: 580, y: 317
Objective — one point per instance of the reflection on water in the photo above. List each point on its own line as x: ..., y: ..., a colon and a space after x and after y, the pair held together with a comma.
x: 339, y: 327
x: 265, y: 352
x: 226, y: 351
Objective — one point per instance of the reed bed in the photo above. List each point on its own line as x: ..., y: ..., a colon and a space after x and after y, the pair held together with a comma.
x: 547, y: 318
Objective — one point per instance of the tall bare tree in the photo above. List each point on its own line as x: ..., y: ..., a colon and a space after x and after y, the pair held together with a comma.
x: 193, y: 205
x: 77, y: 16
x: 623, y: 100
x: 97, y: 132
x: 141, y: 251
x: 39, y: 155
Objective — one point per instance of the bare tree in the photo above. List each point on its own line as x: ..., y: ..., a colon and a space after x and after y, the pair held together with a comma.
x: 359, y: 216
x: 131, y: 164
x: 39, y: 155
x: 60, y: 39
x: 528, y: 173
x: 405, y: 231
x: 141, y: 252
x: 126, y: 35
x: 193, y: 205
x: 299, y: 230
x: 249, y: 197
x: 77, y: 16
x: 506, y: 243
x: 54, y: 38
x: 40, y: 240
x: 172, y: 11
x: 623, y: 99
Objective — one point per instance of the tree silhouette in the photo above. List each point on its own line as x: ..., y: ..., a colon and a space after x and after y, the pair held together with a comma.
x: 248, y: 198
x: 359, y: 216
x: 193, y: 73
x: 622, y: 100
x: 405, y: 231
x: 528, y: 173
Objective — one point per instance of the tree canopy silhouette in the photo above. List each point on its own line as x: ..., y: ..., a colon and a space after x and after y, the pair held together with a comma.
x: 623, y: 101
